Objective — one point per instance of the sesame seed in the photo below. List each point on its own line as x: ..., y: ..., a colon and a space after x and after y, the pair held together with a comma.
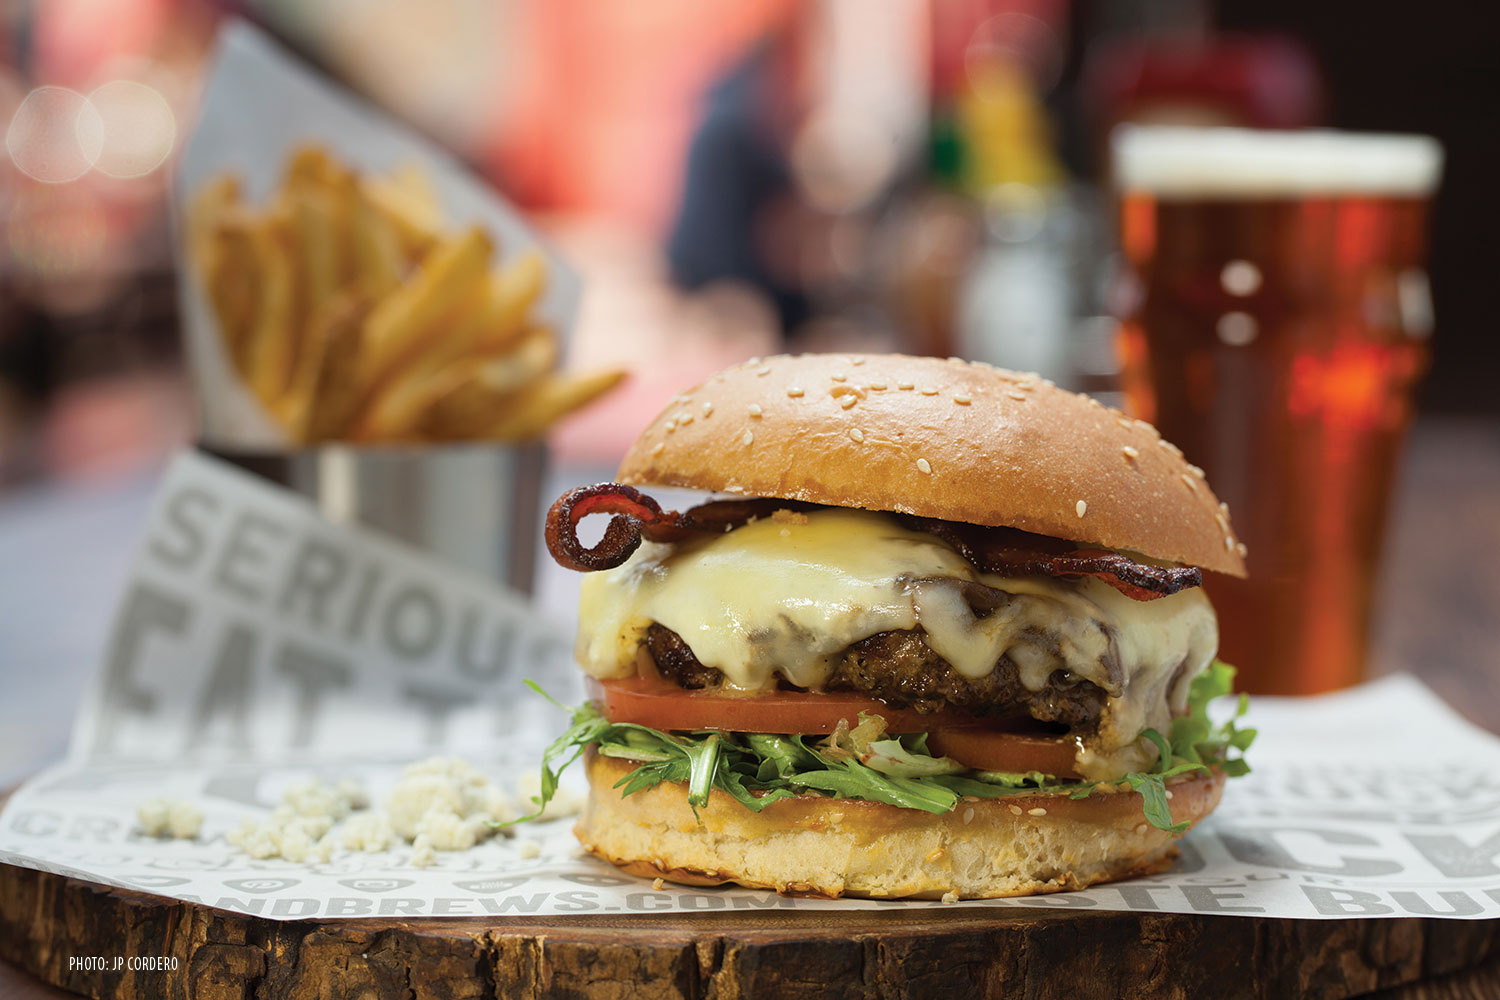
x: 748, y: 437
x: 1125, y: 422
x: 1169, y: 793
x: 1082, y: 507
x: 1224, y: 508
x: 670, y: 425
x: 856, y: 434
x: 755, y: 409
x: 683, y: 419
x: 1170, y: 447
x: 1130, y: 452
x: 962, y: 400
x: 923, y: 465
x: 659, y: 448
x: 1017, y: 395
x: 1191, y: 484
x: 794, y: 391
x: 764, y: 371
x: 1015, y: 810
x: 1049, y: 383
x: 877, y: 385
x: 1228, y: 544
x: 904, y: 385
x: 753, y: 361
x: 928, y: 390
x: 1038, y: 811
x: 848, y: 401
x: 658, y: 884
x: 708, y: 408
x: 1195, y: 470
x: 838, y: 376
x: 956, y: 361
x: 856, y: 361
x: 1095, y: 403
x: 682, y: 398
x: 1242, y: 550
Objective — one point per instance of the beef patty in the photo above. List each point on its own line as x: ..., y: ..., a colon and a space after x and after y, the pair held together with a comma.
x: 900, y: 669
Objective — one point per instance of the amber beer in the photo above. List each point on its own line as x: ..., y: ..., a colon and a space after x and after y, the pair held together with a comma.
x: 1278, y: 327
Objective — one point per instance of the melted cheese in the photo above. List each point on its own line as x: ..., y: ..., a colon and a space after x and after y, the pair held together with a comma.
x: 786, y: 596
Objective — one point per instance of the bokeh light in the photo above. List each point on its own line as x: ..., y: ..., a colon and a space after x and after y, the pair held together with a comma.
x: 55, y: 135
x: 138, y: 128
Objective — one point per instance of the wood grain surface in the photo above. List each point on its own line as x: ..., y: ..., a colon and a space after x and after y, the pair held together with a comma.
x: 1439, y: 605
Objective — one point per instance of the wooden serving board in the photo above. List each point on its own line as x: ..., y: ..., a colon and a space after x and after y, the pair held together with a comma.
x: 45, y: 919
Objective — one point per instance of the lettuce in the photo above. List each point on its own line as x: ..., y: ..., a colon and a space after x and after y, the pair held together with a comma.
x: 757, y: 769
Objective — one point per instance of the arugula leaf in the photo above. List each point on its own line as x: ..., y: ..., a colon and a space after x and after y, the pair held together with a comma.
x: 892, y: 758
x: 705, y: 765
x: 757, y: 769
x: 1154, y: 801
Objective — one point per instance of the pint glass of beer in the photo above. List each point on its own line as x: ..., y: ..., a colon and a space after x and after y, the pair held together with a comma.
x: 1277, y: 325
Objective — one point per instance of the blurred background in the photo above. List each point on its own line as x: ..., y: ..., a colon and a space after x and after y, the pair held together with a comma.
x: 733, y: 177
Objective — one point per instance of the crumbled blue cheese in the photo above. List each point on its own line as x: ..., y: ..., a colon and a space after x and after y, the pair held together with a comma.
x: 175, y: 818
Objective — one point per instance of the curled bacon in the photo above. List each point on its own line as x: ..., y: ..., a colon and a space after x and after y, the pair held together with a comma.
x: 992, y: 550
x: 636, y: 516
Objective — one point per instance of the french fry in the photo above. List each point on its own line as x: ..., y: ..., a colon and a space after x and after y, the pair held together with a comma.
x: 407, y: 202
x: 451, y: 273
x: 455, y: 399
x: 477, y: 411
x: 329, y: 329
x: 272, y: 339
x: 205, y: 210
x: 231, y: 275
x: 544, y: 402
x: 513, y: 291
x: 220, y: 257
x: 378, y: 261
x: 333, y: 398
x: 315, y: 231
x: 307, y: 167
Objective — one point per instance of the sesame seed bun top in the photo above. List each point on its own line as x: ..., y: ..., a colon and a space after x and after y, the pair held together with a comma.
x: 956, y: 440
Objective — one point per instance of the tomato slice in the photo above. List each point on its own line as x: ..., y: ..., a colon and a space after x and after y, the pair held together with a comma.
x: 1017, y: 753
x: 968, y: 739
x: 663, y: 705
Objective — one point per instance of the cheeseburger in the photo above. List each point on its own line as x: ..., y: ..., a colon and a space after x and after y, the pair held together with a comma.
x: 937, y: 630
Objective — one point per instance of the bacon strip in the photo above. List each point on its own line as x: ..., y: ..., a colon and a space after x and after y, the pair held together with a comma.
x: 1013, y: 552
x: 992, y: 550
x: 1137, y: 581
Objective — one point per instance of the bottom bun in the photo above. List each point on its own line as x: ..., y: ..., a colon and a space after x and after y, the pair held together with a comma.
x: 817, y: 846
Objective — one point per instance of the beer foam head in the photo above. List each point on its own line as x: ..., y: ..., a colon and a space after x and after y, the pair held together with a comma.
x: 1246, y: 163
